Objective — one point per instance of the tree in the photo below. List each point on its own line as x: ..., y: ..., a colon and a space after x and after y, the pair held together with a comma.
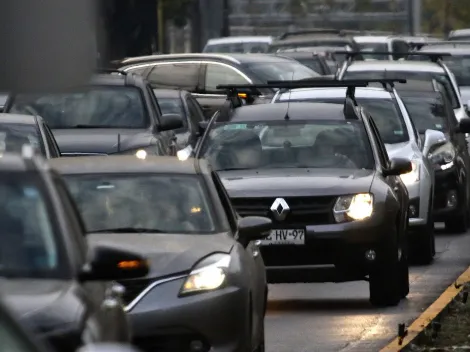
x: 440, y: 16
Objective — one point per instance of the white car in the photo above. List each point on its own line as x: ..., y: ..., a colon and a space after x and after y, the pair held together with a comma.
x: 379, y: 43
x: 242, y: 44
x: 401, y: 140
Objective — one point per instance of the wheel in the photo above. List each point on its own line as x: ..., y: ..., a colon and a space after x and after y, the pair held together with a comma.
x: 424, y: 242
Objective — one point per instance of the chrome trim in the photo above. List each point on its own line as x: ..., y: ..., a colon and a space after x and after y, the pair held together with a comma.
x: 179, y: 56
x: 150, y: 287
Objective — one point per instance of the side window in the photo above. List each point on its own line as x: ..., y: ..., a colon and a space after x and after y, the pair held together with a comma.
x: 220, y: 74
x: 225, y: 200
x: 383, y: 155
x: 175, y: 75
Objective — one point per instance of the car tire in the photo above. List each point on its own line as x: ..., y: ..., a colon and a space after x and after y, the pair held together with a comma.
x: 424, y: 242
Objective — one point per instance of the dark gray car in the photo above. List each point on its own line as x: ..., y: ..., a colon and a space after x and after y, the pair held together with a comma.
x: 207, y: 287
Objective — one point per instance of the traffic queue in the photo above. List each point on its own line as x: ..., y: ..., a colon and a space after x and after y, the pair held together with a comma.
x: 153, y: 207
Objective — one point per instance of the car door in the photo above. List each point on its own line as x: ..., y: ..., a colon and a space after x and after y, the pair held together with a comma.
x: 216, y: 73
x: 105, y: 320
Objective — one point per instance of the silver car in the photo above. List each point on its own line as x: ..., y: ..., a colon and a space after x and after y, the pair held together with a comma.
x: 401, y: 140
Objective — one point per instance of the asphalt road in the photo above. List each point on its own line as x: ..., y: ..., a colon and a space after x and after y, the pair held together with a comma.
x: 338, y: 317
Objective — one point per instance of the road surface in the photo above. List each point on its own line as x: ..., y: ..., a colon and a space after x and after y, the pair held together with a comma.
x: 338, y: 317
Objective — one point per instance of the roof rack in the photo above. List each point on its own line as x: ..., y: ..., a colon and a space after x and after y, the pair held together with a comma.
x: 111, y: 70
x: 434, y: 57
x: 340, y: 32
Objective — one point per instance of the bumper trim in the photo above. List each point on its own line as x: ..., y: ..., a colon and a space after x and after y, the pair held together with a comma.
x: 141, y: 295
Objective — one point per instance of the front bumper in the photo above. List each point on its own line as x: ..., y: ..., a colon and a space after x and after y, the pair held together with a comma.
x: 447, y: 185
x: 162, y: 321
x: 334, y: 252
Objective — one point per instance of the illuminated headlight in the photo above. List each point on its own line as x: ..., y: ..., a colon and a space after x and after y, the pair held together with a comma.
x: 142, y: 152
x: 185, y: 153
x: 207, y: 277
x: 353, y: 207
x: 412, y: 176
x: 443, y: 156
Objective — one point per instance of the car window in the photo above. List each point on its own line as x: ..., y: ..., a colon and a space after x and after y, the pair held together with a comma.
x: 427, y: 113
x: 196, y: 114
x: 282, y: 70
x: 175, y: 75
x: 373, y: 47
x: 167, y: 203
x: 220, y: 74
x: 93, y: 106
x: 33, y: 249
x: 312, y: 63
x: 460, y: 67
x: 137, y: 70
x: 300, y: 144
x: 14, y: 135
x: 173, y: 106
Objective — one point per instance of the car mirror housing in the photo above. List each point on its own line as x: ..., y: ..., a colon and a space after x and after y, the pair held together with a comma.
x: 398, y: 166
x: 464, y: 126
x: 433, y: 138
x: 109, y: 264
x: 253, y: 228
x: 170, y: 122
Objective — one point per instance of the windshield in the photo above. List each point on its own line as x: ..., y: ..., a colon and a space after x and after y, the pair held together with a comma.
x: 386, y: 116
x: 14, y: 135
x: 283, y: 70
x: 29, y: 242
x: 460, y: 67
x: 312, y: 63
x: 157, y: 203
x: 100, y: 107
x: 251, y: 47
x: 373, y: 47
x: 427, y: 113
x: 410, y: 75
x: 292, y: 144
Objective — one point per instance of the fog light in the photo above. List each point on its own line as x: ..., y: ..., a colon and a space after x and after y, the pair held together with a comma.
x: 196, y: 346
x: 412, y: 211
x: 370, y: 255
x: 451, y: 199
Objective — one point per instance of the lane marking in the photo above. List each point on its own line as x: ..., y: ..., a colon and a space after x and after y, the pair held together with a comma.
x: 430, y: 313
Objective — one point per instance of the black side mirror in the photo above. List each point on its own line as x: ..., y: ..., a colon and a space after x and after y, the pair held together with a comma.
x: 463, y: 126
x: 170, y: 122
x: 398, y: 166
x: 109, y: 264
x: 202, y: 127
x: 254, y: 228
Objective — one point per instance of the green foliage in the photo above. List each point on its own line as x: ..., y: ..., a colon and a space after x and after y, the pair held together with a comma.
x: 177, y: 10
x: 362, y: 5
x: 439, y: 14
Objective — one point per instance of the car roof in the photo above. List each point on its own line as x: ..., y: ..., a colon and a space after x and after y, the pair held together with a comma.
x: 168, y: 93
x: 240, y: 39
x: 373, y: 38
x: 18, y: 119
x: 459, y: 32
x: 453, y: 49
x: 400, y: 66
x: 124, y: 164
x: 336, y: 92
x: 295, y: 111
x: 307, y: 39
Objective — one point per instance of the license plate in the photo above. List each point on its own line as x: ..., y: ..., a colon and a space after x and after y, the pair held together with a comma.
x: 285, y: 236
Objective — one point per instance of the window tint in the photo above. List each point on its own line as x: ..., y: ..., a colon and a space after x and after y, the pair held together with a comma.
x: 137, y: 70
x: 14, y: 135
x: 427, y: 113
x: 178, y: 75
x: 219, y: 74
x: 374, y: 47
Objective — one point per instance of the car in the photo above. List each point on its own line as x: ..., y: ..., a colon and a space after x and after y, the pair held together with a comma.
x: 241, y: 44
x: 434, y: 70
x: 450, y: 157
x: 207, y: 287
x: 201, y: 73
x: 382, y: 43
x: 460, y: 34
x: 59, y: 287
x: 401, y: 139
x: 17, y: 130
x: 181, y: 102
x: 317, y: 62
x: 336, y: 218
x: 115, y: 113
x: 14, y: 337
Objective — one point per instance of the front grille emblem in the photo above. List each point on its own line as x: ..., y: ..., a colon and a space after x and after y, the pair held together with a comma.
x: 280, y: 209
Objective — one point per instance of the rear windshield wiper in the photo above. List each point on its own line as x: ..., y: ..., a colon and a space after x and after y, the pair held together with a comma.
x: 128, y: 230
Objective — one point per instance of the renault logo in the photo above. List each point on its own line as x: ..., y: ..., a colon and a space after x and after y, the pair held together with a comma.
x: 280, y: 209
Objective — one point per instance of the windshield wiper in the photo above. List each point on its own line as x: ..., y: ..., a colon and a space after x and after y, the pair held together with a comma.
x: 128, y: 230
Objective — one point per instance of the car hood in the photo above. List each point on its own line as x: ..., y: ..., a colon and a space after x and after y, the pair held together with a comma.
x: 43, y: 305
x: 407, y: 150
x: 101, y: 140
x: 295, y: 182
x: 168, y: 253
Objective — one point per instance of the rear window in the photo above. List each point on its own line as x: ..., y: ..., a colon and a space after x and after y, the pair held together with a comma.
x: 427, y: 113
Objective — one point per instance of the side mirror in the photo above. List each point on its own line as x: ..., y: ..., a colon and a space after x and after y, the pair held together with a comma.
x: 170, y: 122
x: 109, y: 264
x: 202, y: 127
x: 433, y: 138
x: 398, y: 166
x: 107, y: 347
x: 464, y: 126
x: 254, y: 228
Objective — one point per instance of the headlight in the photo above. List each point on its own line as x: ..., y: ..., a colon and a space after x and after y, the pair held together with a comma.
x: 353, y: 207
x: 142, y: 152
x: 412, y: 176
x: 443, y: 156
x: 185, y: 153
x: 207, y: 277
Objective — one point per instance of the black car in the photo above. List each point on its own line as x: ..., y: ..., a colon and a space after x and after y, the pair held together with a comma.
x: 115, y: 114
x: 18, y: 130
x: 322, y: 173
x: 315, y: 61
x: 201, y: 73
x: 181, y: 102
x: 450, y: 158
x: 207, y: 289
x: 49, y: 277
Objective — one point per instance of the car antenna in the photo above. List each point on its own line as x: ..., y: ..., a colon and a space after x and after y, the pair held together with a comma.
x: 119, y: 143
x: 288, y: 100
